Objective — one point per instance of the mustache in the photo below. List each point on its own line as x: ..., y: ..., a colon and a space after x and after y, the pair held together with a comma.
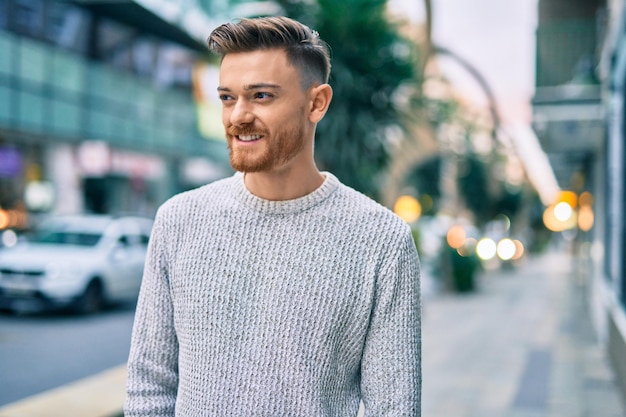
x: 244, y: 130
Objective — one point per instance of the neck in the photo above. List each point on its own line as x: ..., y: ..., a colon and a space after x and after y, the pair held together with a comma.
x: 281, y: 186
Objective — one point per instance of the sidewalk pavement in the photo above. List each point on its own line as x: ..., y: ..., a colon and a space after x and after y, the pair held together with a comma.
x: 522, y: 345
x: 101, y: 395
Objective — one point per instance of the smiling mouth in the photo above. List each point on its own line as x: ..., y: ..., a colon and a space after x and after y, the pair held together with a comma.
x: 249, y: 138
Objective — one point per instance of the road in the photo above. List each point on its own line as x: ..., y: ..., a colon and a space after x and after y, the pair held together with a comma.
x: 41, y: 352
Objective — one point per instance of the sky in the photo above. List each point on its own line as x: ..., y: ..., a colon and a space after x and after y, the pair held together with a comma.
x: 497, y: 38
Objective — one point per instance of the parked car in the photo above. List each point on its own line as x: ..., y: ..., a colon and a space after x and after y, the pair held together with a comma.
x: 81, y: 261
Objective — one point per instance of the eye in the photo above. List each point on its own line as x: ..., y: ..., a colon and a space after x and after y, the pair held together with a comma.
x: 263, y: 95
x: 226, y: 98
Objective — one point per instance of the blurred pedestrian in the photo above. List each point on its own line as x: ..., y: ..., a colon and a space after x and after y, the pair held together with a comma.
x: 278, y: 291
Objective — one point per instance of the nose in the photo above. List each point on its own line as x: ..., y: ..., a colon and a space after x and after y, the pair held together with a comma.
x: 241, y: 113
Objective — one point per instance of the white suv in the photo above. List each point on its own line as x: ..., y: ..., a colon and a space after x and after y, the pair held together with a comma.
x: 82, y: 261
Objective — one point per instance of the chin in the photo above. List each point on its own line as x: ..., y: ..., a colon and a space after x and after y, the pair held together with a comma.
x: 250, y: 166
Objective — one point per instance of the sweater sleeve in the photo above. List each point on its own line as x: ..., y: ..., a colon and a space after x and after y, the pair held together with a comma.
x: 391, y: 363
x: 153, y: 361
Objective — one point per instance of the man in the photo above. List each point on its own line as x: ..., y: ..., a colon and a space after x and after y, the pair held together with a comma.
x: 278, y: 291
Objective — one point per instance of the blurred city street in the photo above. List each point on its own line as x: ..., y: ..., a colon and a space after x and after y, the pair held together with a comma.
x: 494, y: 129
x: 520, y: 346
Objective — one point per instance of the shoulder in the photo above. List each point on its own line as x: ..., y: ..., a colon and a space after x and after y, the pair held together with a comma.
x: 183, y: 207
x: 377, y: 233
x: 357, y: 208
x: 206, y: 194
x: 358, y: 203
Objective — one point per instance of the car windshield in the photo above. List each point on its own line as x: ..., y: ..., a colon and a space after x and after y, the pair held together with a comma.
x: 66, y: 238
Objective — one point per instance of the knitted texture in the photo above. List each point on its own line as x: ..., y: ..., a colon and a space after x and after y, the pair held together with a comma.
x: 252, y: 307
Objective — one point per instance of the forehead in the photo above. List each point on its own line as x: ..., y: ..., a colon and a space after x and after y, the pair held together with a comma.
x: 261, y: 66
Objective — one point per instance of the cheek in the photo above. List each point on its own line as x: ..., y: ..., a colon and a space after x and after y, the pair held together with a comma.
x: 225, y: 117
x: 285, y: 116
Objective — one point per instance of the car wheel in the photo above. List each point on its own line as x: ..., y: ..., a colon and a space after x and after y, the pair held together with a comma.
x: 92, y: 299
x: 4, y: 310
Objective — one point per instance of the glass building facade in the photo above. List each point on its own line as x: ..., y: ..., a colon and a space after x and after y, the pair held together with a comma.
x: 582, y: 61
x: 96, y: 113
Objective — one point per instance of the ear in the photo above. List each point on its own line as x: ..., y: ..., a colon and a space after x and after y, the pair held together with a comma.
x: 321, y: 96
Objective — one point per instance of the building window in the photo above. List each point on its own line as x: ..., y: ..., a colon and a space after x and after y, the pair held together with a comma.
x: 122, y: 47
x: 28, y: 17
x: 4, y: 14
x: 67, y: 27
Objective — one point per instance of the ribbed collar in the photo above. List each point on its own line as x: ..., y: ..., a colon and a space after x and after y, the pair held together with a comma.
x: 300, y: 204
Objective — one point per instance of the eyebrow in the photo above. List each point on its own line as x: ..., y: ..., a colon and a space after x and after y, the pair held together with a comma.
x: 257, y: 86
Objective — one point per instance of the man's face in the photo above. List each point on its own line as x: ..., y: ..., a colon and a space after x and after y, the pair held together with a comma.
x: 264, y: 110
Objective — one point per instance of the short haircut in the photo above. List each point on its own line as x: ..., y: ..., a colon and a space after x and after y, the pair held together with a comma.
x: 309, y: 54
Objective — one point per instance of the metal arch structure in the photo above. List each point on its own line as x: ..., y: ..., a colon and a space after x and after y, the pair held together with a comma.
x: 482, y: 82
x: 432, y: 49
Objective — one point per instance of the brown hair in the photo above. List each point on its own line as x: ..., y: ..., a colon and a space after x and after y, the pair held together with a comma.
x: 305, y: 50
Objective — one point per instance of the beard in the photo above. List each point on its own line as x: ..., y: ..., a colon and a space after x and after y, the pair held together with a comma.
x: 275, y: 152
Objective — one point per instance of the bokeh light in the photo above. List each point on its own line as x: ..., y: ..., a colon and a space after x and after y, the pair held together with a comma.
x: 9, y: 238
x: 563, y: 211
x: 504, y: 220
x: 4, y: 219
x: 519, y: 250
x: 456, y: 236
x: 408, y: 208
x: 486, y: 248
x: 13, y: 218
x: 585, y: 199
x: 585, y: 218
x: 506, y: 249
x: 468, y: 248
x: 553, y: 223
x: 568, y: 197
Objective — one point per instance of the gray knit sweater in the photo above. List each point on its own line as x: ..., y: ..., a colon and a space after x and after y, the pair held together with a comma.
x: 252, y: 307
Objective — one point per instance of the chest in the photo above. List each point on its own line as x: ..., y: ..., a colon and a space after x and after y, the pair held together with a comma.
x: 251, y: 282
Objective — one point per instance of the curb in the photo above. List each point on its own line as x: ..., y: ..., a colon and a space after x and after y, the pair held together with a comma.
x: 100, y: 395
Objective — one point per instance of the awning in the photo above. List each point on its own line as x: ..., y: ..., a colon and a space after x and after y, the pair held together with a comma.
x: 535, y: 161
x: 135, y: 15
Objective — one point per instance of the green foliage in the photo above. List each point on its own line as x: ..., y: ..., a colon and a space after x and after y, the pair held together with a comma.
x: 426, y: 178
x: 510, y: 202
x: 464, y: 270
x: 459, y: 273
x: 486, y: 196
x: 371, y: 61
x: 474, y: 188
